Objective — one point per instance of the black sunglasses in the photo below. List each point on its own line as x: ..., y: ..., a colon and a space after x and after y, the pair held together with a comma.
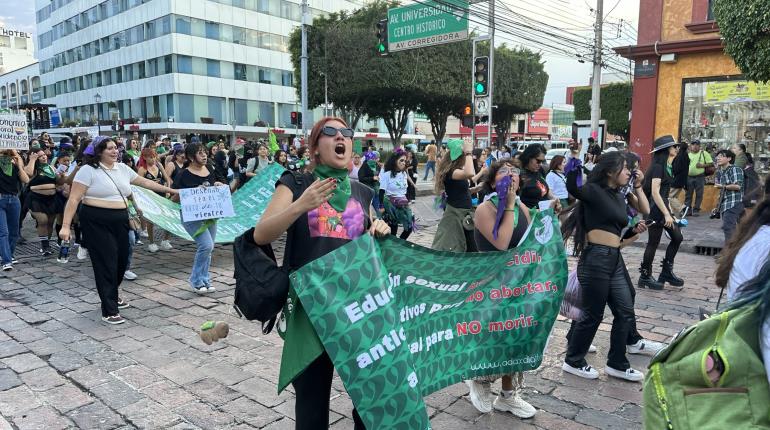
x: 332, y: 131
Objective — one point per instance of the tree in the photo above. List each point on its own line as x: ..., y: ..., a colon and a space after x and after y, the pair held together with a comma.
x: 519, y: 87
x: 615, y: 106
x: 745, y: 27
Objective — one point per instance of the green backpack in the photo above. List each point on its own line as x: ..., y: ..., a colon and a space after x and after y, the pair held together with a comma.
x: 679, y: 393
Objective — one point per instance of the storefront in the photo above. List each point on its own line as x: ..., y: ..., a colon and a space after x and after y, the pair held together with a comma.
x: 686, y: 86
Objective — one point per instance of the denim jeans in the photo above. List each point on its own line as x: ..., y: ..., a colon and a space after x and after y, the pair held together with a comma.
x: 131, y: 243
x: 10, y: 207
x: 429, y: 165
x: 730, y: 219
x: 199, y: 276
x: 604, y: 281
x: 695, y: 184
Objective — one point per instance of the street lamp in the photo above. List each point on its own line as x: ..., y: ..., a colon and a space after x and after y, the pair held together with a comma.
x: 98, y: 100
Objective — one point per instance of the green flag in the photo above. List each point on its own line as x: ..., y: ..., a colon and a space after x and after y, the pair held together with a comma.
x: 273, y: 141
x: 401, y: 321
x: 358, y: 147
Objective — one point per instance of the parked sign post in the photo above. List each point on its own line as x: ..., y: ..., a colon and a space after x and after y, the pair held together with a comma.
x: 427, y: 23
x: 13, y: 131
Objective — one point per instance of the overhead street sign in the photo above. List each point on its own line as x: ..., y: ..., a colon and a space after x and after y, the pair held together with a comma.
x: 427, y: 23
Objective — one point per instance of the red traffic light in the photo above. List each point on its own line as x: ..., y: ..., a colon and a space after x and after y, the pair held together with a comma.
x: 468, y: 110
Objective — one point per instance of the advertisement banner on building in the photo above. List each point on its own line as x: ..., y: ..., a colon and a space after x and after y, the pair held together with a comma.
x: 540, y: 122
x: 13, y: 131
x: 737, y: 91
x: 401, y: 321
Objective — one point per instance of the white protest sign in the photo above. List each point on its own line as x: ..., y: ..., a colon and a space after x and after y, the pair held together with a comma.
x: 13, y: 131
x: 206, y: 203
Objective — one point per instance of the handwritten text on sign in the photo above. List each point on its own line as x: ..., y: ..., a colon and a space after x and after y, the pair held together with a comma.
x: 206, y: 203
x: 13, y: 132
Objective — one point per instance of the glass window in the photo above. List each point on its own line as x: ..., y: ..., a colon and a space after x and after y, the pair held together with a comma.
x: 20, y: 42
x: 5, y: 41
x: 239, y: 71
x: 216, y: 107
x: 287, y: 78
x: 212, y: 68
x: 266, y: 113
x: 140, y: 69
x: 24, y: 87
x: 184, y: 64
x: 711, y: 10
x: 169, y: 105
x: 165, y: 24
x: 152, y: 67
x: 226, y: 33
x: 199, y: 66
x: 118, y: 75
x: 107, y: 77
x: 128, y: 73
x: 198, y: 27
x: 150, y: 29
x: 239, y: 35
x: 212, y: 30
x: 240, y: 113
x: 183, y: 25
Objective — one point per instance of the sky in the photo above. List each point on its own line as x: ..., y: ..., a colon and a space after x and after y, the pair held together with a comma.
x: 574, y: 16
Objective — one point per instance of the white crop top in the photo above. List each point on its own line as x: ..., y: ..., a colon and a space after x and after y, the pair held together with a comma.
x: 100, y: 187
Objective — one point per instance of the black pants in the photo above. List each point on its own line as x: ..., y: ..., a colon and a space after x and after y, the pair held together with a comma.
x: 107, y: 233
x: 394, y: 230
x: 313, y: 388
x: 654, y: 233
x: 604, y: 281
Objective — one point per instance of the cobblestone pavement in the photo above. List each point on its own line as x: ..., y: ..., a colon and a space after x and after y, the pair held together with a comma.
x: 61, y: 367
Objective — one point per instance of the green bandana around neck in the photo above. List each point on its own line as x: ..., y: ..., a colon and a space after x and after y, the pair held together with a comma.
x: 47, y: 170
x: 6, y: 165
x: 341, y: 195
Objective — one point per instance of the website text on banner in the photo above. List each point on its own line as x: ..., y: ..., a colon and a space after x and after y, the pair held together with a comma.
x: 13, y: 132
x: 248, y: 205
x: 401, y: 321
x: 205, y: 203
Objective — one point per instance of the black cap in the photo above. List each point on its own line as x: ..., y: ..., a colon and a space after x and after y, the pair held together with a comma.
x: 663, y: 142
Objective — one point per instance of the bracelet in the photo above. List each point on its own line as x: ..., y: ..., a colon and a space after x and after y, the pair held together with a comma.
x: 636, y: 188
x: 509, y: 210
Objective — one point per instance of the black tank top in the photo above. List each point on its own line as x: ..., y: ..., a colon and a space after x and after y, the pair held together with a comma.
x: 518, y: 233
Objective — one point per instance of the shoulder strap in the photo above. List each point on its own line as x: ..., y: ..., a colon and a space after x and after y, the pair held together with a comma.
x: 116, y: 186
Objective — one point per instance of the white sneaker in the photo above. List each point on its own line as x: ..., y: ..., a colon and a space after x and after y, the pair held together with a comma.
x: 7, y: 267
x: 592, y: 348
x: 210, y: 288
x: 646, y: 347
x: 480, y: 395
x: 153, y: 247
x: 515, y: 405
x: 629, y: 374
x: 166, y: 245
x: 143, y: 233
x: 587, y: 371
x: 129, y: 275
x: 82, y: 253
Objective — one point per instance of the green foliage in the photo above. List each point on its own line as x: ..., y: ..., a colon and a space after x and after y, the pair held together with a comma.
x: 433, y: 80
x: 615, y: 105
x: 745, y: 27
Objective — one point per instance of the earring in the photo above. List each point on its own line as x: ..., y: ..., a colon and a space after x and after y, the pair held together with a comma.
x: 317, y: 154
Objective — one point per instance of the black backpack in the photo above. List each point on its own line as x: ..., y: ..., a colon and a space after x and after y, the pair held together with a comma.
x: 261, y: 286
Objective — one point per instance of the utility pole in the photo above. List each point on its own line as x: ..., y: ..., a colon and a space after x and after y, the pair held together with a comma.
x: 596, y: 85
x: 491, y: 68
x: 473, y: 95
x: 303, y: 69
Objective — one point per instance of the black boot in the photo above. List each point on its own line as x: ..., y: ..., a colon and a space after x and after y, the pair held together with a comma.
x: 667, y: 274
x: 647, y: 281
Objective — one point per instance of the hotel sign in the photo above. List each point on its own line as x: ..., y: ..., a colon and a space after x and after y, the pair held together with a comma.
x: 14, y: 33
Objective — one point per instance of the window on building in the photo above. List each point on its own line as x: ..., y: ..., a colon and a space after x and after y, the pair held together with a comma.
x: 186, y: 108
x: 183, y: 25
x: 140, y: 69
x: 24, y: 87
x: 239, y: 71
x: 3, y: 92
x: 287, y: 78
x: 13, y: 90
x: 711, y: 10
x: 5, y: 41
x: 212, y: 30
x: 212, y: 68
x: 20, y: 42
x: 216, y: 107
x: 183, y: 64
x: 168, y: 64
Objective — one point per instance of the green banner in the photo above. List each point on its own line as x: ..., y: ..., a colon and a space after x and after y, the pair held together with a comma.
x: 249, y: 203
x: 401, y: 321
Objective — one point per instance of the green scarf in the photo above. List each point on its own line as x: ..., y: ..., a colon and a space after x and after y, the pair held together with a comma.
x: 496, y: 201
x: 47, y: 170
x: 372, y: 165
x: 132, y: 152
x: 341, y: 195
x: 6, y: 165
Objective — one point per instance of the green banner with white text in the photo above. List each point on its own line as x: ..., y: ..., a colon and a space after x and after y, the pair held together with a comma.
x: 401, y: 321
x: 249, y: 203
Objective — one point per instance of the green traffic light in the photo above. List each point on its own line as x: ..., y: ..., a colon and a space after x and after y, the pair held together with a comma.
x: 381, y: 47
x: 480, y: 88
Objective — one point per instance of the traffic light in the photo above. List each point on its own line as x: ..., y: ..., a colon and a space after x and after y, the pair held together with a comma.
x: 467, y: 117
x: 481, y: 76
x: 382, y: 37
x: 296, y: 118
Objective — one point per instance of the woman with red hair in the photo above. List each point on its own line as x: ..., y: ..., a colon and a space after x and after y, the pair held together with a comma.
x: 149, y: 167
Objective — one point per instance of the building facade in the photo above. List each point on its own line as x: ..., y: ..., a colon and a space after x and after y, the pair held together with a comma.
x: 17, y: 50
x: 172, y: 65
x: 686, y: 86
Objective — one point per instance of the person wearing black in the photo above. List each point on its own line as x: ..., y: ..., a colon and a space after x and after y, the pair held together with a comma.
x: 306, y: 207
x: 657, y: 184
x: 411, y: 172
x: 369, y: 175
x: 12, y: 175
x: 534, y: 187
x: 454, y: 170
x: 596, y: 223
x: 42, y: 196
x: 680, y: 166
x: 220, y: 165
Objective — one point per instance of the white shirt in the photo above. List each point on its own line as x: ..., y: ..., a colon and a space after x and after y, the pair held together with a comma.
x: 558, y: 184
x: 393, y: 186
x: 100, y: 187
x: 747, y: 265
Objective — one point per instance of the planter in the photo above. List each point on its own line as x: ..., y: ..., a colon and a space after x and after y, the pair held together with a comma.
x: 153, y: 119
x: 259, y: 124
x: 207, y: 120
x: 374, y: 130
x: 106, y: 122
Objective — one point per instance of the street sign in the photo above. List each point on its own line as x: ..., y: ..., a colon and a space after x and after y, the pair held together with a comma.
x: 482, y: 105
x: 427, y: 23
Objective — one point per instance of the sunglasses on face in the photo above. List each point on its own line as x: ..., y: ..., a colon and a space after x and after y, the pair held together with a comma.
x: 541, y: 160
x: 332, y: 131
